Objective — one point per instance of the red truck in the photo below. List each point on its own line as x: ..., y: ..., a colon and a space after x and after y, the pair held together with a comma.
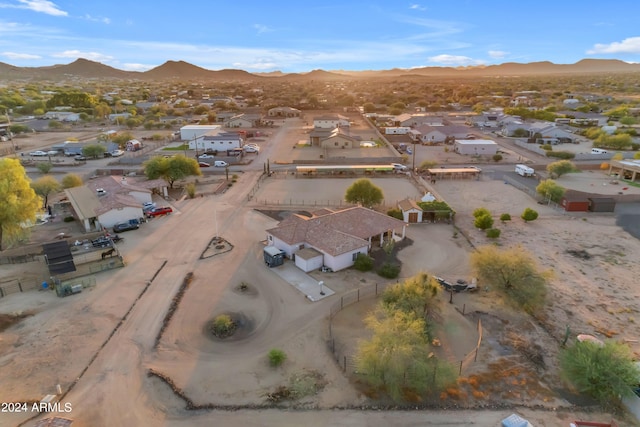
x: 166, y: 210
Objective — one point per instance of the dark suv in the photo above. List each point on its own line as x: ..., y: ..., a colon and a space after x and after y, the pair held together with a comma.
x: 125, y: 226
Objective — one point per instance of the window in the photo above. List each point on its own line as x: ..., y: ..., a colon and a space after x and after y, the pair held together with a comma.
x: 354, y: 256
x: 301, y: 247
x: 270, y: 237
x: 336, y: 143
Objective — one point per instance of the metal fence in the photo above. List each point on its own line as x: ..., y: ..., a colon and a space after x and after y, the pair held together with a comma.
x: 343, y: 353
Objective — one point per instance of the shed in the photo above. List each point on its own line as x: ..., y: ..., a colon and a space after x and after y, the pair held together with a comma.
x: 572, y: 202
x: 411, y: 212
x: 602, y: 204
x: 273, y: 256
x: 309, y: 259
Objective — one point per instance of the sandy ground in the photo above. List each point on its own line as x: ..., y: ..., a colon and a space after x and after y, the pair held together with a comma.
x: 67, y: 335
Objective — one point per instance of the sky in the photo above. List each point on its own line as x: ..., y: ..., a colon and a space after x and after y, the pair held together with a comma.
x: 301, y: 36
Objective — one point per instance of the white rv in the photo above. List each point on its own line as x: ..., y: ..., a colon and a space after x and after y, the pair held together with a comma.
x: 524, y: 170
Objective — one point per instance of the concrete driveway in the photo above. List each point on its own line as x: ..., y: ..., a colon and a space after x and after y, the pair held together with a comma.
x: 300, y: 280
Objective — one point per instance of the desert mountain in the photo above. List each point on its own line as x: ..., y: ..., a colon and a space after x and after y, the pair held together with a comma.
x: 183, y: 70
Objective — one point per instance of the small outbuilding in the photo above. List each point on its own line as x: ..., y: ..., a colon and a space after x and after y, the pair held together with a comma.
x: 411, y: 212
x: 475, y: 147
x: 572, y: 202
x: 602, y: 204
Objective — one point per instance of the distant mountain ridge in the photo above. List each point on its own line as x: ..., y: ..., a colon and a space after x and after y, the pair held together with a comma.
x: 83, y: 68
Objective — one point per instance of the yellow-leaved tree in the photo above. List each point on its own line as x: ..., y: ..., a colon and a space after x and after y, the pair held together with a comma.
x: 19, y: 203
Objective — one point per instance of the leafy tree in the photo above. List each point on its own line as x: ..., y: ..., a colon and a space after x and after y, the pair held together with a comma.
x: 514, y: 275
x: 101, y: 110
x: 364, y: 192
x: 427, y: 164
x: 171, y: 169
x: 529, y: 215
x: 520, y: 133
x: 18, y: 200
x: 18, y: 128
x: 605, y: 372
x: 618, y: 156
x: 415, y: 295
x: 636, y: 156
x: 71, y: 180
x: 550, y: 190
x: 483, y: 222
x: 395, y: 213
x: 397, y: 359
x: 44, y: 186
x: 363, y: 262
x: 94, y: 151
x: 561, y: 167
x: 45, y: 167
x: 628, y: 121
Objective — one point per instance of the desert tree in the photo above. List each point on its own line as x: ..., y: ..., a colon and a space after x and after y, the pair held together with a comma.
x: 513, y: 273
x: 550, y: 190
x: 19, y: 202
x: 44, y: 167
x: 480, y: 212
x: 417, y: 295
x: 71, y: 180
x: 364, y: 192
x: 529, y: 215
x: 607, y: 372
x: 171, y: 169
x: 397, y: 357
x: 561, y: 167
x: 44, y: 186
x: 94, y: 151
x: 483, y: 222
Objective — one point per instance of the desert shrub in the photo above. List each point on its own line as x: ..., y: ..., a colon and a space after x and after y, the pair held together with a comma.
x: 389, y: 270
x: 566, y: 155
x: 191, y: 190
x: 44, y: 167
x: 493, y: 233
x: 546, y: 147
x: 395, y: 213
x: 223, y: 326
x: 276, y: 357
x: 363, y: 262
x: 483, y: 222
x: 505, y: 217
x: 529, y: 215
x: 480, y: 212
x: 69, y: 219
x: 497, y: 157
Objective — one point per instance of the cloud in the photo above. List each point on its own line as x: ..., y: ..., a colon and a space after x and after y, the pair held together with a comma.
x: 43, y: 6
x: 262, y: 28
x: 136, y: 67
x: 15, y: 55
x: 497, y: 54
x: 93, y: 56
x: 455, y: 60
x: 417, y: 7
x: 94, y: 19
x: 630, y: 45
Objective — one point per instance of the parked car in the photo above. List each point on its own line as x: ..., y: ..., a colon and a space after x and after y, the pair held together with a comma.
x: 251, y: 149
x: 124, y: 226
x: 165, y: 210
x: 38, y: 153
x: 117, y: 153
x: 203, y: 164
x: 147, y: 206
x: 80, y: 158
x: 220, y: 164
x: 206, y: 156
x: 102, y: 242
x: 53, y: 153
x: 398, y: 167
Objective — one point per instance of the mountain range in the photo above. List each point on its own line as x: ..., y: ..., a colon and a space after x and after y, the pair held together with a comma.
x: 83, y: 68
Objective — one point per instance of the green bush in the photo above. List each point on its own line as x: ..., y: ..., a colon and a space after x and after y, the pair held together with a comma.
x: 223, y: 326
x: 505, y: 217
x: 561, y: 154
x: 529, y: 215
x: 480, y: 212
x: 497, y: 157
x: 191, y: 190
x: 389, y: 270
x: 363, y: 262
x: 483, y: 222
x: 69, y: 219
x: 276, y: 357
x: 395, y: 213
x: 493, y: 233
x: 546, y: 147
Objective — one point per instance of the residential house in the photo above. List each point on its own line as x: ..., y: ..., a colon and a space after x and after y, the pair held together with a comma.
x: 108, y: 200
x: 63, y: 116
x: 429, y: 135
x: 339, y: 236
x: 284, y: 112
x: 244, y: 120
x: 190, y: 132
x: 338, y: 139
x: 331, y: 121
x: 217, y: 140
x: 119, y: 117
x: 415, y: 120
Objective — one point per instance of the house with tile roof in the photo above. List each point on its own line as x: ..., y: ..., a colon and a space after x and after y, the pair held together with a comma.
x: 108, y: 200
x: 337, y: 237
